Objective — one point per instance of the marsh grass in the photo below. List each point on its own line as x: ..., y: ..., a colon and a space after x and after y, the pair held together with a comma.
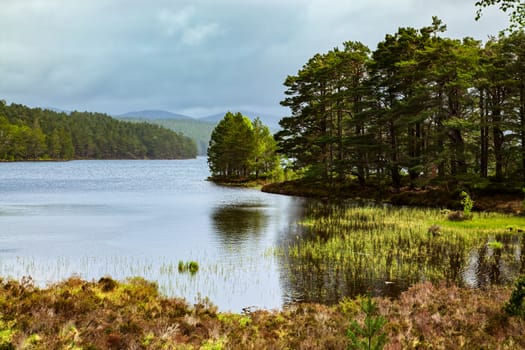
x: 348, y: 250
x: 232, y: 281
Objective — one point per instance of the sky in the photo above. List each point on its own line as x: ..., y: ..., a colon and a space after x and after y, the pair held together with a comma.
x: 194, y: 57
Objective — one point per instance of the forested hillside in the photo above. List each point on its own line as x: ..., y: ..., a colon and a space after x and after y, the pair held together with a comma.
x: 198, y: 131
x: 421, y: 107
x: 34, y: 133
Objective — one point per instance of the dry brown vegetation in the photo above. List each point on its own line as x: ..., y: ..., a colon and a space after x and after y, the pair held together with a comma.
x: 76, y: 314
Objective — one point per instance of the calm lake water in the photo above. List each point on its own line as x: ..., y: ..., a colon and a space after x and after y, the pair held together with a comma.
x: 140, y: 218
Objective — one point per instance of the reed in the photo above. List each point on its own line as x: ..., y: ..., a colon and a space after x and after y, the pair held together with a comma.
x: 350, y: 249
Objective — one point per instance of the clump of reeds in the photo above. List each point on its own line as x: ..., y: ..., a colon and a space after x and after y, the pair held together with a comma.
x: 344, y: 250
x: 189, y: 266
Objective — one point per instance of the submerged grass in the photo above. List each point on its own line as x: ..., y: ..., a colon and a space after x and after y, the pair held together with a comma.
x: 354, y: 249
x: 227, y: 280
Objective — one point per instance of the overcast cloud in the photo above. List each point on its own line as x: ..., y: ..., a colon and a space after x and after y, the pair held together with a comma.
x: 195, y: 57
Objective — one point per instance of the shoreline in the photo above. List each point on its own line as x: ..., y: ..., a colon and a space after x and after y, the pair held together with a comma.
x: 510, y: 202
x: 76, y: 159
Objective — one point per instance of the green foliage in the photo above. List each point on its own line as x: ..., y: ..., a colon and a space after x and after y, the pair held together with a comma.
x: 231, y: 146
x: 495, y: 245
x: 193, y: 267
x: 515, y: 9
x: 217, y: 344
x: 421, y: 109
x: 235, y: 320
x: 33, y: 134
x: 148, y: 339
x: 199, y: 131
x: 516, y: 305
x: 190, y: 266
x: 369, y: 335
x: 467, y: 204
x: 351, y: 307
x: 181, y: 266
x: 240, y: 149
x: 6, y: 338
x: 32, y: 342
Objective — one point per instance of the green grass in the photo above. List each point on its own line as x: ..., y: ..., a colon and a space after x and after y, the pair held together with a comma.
x: 354, y: 247
x: 487, y: 221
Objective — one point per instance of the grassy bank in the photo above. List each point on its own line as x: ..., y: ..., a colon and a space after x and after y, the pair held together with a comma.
x: 76, y: 314
x: 239, y: 182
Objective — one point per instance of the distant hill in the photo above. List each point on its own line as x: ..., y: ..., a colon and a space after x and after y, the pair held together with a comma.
x: 198, y: 130
x: 58, y: 110
x: 149, y: 114
x: 272, y: 121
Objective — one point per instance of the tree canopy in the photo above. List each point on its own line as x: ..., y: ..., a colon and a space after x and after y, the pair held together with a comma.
x: 240, y: 148
x: 421, y: 107
x: 34, y: 133
x: 514, y: 8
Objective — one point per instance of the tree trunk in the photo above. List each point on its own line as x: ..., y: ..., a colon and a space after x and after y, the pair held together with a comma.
x: 522, y: 120
x: 484, y: 137
x: 394, y: 167
x: 497, y: 133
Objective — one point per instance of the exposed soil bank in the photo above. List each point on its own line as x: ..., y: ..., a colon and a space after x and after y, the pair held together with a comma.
x: 484, y: 200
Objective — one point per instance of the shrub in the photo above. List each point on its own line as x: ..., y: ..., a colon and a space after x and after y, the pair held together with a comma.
x: 369, y: 336
x: 190, y: 266
x: 107, y: 284
x: 467, y: 203
x: 456, y: 216
x: 193, y: 267
x: 516, y: 305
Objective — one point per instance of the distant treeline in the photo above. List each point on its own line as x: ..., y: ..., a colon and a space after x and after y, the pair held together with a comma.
x: 199, y: 131
x: 34, y: 133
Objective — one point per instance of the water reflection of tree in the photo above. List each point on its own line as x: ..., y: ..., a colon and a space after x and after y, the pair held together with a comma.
x: 237, y: 223
x: 328, y: 280
x: 388, y: 264
x: 489, y: 265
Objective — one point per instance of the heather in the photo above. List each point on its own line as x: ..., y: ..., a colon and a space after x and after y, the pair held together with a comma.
x: 132, y: 314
